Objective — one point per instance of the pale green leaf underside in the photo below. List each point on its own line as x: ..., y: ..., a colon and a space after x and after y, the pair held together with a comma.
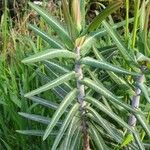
x: 59, y: 112
x: 105, y: 65
x: 49, y: 54
x: 52, y: 84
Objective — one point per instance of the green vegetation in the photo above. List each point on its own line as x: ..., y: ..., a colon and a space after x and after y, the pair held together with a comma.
x: 78, y: 83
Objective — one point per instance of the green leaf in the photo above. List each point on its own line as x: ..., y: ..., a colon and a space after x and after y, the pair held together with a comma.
x: 56, y: 66
x: 74, y: 125
x: 106, y: 66
x: 56, y: 26
x: 37, y: 118
x: 103, y: 108
x: 115, y: 77
x: 49, y: 54
x: 44, y: 102
x: 142, y: 58
x: 118, y: 42
x: 61, y: 90
x: 105, y: 13
x: 138, y: 140
x: 76, y: 139
x: 144, y: 123
x: 67, y: 17
x: 50, y: 40
x: 31, y: 132
x: 103, y: 91
x: 82, y: 8
x: 103, y: 123
x: 5, y: 144
x: 52, y: 84
x: 90, y: 39
x: 145, y: 91
x: 64, y: 126
x: 97, y: 139
x: 127, y: 140
x: 61, y: 109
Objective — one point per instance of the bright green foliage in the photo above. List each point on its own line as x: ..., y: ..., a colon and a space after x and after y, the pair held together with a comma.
x: 90, y: 73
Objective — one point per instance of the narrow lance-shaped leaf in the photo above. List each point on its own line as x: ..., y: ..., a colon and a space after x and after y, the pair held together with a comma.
x: 112, y: 131
x: 114, y: 76
x: 105, y: 65
x: 138, y: 140
x: 105, y: 13
x: 103, y: 91
x: 144, y: 123
x: 57, y: 27
x: 56, y: 67
x: 59, y: 91
x: 37, y: 118
x: 64, y: 126
x: 76, y: 139
x: 31, y: 132
x: 118, y: 42
x: 50, y: 40
x: 102, y: 122
x: 103, y: 108
x: 76, y: 13
x: 49, y: 54
x: 61, y: 109
x: 97, y: 34
x: 44, y: 102
x: 52, y: 84
x: 67, y: 16
x: 144, y: 90
x: 75, y: 123
x: 97, y: 139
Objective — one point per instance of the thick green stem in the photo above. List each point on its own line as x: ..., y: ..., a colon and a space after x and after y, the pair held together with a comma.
x: 81, y: 95
x: 136, y: 98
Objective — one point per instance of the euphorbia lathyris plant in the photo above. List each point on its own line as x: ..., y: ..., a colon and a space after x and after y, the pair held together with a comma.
x: 86, y: 102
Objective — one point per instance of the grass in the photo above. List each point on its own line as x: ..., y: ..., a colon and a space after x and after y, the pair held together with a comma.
x: 15, y: 78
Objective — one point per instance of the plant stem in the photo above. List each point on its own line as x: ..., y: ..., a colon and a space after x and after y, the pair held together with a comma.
x: 136, y: 98
x: 81, y: 95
